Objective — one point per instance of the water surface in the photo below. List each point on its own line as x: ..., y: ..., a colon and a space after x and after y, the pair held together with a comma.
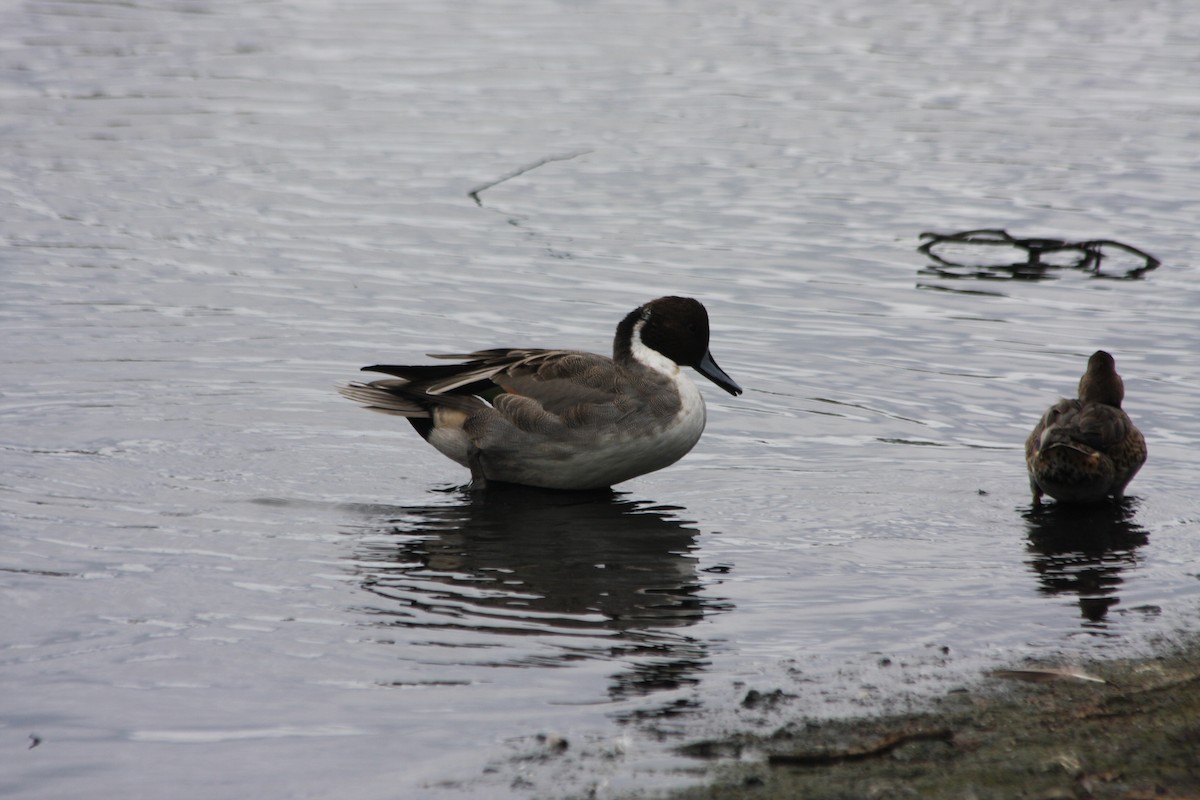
x: 221, y: 578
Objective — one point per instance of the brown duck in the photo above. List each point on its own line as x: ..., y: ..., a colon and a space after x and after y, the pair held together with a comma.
x: 1086, y: 449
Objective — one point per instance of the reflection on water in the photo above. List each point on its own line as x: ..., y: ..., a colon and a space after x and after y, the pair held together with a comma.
x: 585, y: 576
x: 1083, y: 550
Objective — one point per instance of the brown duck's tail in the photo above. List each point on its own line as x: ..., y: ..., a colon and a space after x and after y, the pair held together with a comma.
x: 1087, y: 450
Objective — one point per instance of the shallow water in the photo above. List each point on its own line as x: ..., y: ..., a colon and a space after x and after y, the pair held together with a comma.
x: 218, y: 576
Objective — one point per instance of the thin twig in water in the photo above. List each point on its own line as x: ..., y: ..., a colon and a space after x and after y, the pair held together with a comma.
x: 474, y: 193
x: 1045, y: 674
x: 880, y: 748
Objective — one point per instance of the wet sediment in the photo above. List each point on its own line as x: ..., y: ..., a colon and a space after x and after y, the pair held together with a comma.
x: 1109, y: 730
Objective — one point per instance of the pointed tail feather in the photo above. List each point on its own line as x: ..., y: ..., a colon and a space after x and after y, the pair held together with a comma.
x: 417, y: 373
x: 378, y: 398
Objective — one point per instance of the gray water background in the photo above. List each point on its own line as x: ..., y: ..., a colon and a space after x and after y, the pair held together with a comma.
x: 218, y: 578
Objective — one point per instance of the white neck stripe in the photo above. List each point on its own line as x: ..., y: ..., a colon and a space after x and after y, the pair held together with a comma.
x: 648, y: 356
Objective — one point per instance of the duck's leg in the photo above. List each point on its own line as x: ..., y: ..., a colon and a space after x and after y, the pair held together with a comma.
x: 1037, y: 493
x: 475, y: 462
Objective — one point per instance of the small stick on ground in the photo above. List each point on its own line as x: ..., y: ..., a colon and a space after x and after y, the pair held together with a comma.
x: 880, y: 748
x: 474, y: 193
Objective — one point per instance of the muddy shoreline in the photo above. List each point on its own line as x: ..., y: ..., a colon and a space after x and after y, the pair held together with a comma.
x: 1125, y: 729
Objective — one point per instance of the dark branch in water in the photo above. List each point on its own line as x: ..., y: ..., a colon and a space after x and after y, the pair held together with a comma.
x: 1088, y: 255
x: 474, y: 193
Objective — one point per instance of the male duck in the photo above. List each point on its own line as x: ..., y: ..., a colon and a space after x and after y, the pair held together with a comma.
x: 563, y: 419
x: 1086, y: 449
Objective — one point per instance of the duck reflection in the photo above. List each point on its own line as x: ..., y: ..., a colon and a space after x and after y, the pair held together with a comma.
x: 1083, y: 550
x: 580, y: 575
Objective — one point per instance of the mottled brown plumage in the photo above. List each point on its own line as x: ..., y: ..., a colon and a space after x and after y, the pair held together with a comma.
x: 1086, y: 449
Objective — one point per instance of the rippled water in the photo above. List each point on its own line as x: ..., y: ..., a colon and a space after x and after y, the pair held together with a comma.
x: 221, y: 578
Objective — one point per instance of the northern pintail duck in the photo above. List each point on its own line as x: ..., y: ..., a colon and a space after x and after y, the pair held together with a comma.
x: 1086, y: 449
x: 563, y: 419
